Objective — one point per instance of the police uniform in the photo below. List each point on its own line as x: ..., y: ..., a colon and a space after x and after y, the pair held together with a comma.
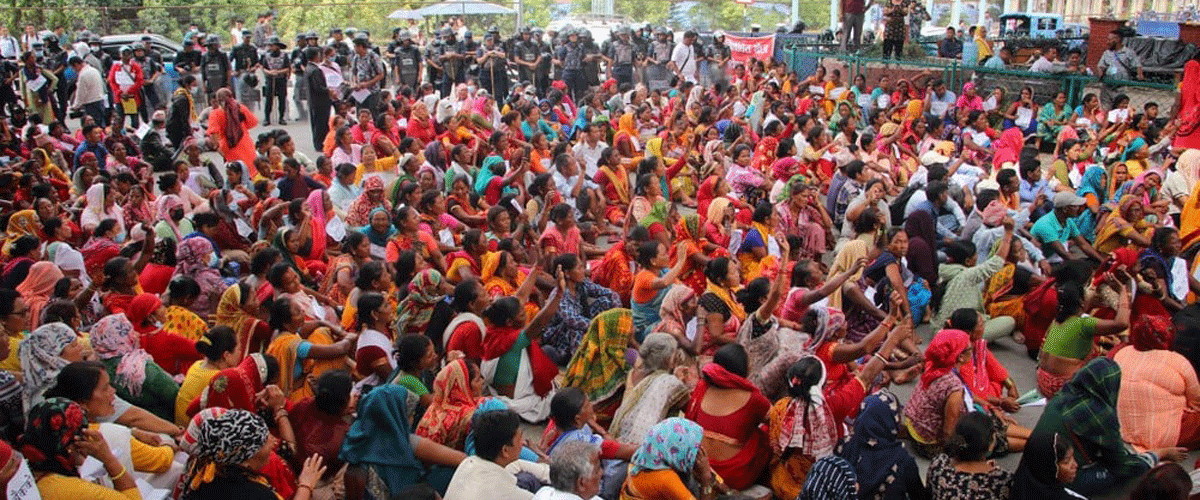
x: 275, y: 86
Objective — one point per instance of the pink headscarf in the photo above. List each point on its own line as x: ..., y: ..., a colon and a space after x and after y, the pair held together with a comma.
x: 165, y: 205
x: 316, y: 204
x: 114, y: 337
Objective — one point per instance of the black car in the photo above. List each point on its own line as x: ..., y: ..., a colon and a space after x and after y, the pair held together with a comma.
x: 112, y: 44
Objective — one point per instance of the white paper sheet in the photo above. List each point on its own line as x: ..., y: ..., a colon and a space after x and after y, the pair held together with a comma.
x: 22, y: 486
x: 336, y: 228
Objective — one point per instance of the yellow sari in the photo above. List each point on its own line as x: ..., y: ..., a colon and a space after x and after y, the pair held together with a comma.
x: 285, y: 348
x: 185, y: 323
x: 753, y: 267
x: 496, y: 286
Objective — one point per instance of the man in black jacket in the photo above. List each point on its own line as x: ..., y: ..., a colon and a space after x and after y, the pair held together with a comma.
x: 319, y: 98
x: 179, y: 115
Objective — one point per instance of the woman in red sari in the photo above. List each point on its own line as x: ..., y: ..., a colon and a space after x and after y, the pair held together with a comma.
x: 615, y: 270
x: 420, y: 124
x: 319, y: 206
x: 1187, y: 136
x: 731, y: 416
x: 699, y: 252
x: 613, y: 179
x: 172, y: 352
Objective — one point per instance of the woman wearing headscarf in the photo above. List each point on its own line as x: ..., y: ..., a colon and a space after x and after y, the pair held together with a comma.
x: 456, y: 392
x: 941, y: 395
x: 378, y: 229
x: 425, y: 290
x: 171, y: 352
x: 800, y: 213
x: 420, y: 124
x: 1124, y: 226
x: 806, y: 425
x: 1092, y: 189
x: 922, y: 245
x: 168, y: 226
x: 832, y: 478
x: 731, y: 417
x: 56, y: 440
x: 1007, y: 148
x: 225, y: 235
x: 229, y: 127
x: 885, y: 470
x: 194, y: 258
x: 1085, y: 412
x: 969, y: 100
x: 670, y: 464
x: 384, y: 456
x: 22, y: 223
x: 371, y: 199
x: 1159, y: 403
x: 238, y: 309
x: 36, y: 289
x: 231, y: 451
x: 1189, y: 108
x: 678, y: 308
x: 137, y: 378
x: 137, y: 209
x: 627, y: 141
x: 601, y: 362
x: 1047, y: 466
x: 101, y: 204
x: 43, y: 352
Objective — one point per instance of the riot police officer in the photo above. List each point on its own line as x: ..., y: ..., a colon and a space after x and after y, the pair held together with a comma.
x: 407, y: 61
x: 277, y: 65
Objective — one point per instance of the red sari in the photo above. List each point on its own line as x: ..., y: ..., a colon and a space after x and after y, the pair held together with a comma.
x: 739, y: 429
x: 616, y: 191
x: 615, y: 271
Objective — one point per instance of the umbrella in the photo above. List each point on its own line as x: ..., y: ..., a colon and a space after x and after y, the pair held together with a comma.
x: 462, y: 8
x: 405, y: 14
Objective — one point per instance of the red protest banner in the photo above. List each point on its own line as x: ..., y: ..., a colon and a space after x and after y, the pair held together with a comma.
x: 743, y: 48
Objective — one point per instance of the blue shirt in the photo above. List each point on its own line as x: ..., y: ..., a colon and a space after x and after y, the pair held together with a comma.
x: 96, y: 149
x: 970, y: 53
x: 1048, y: 230
x: 1030, y: 190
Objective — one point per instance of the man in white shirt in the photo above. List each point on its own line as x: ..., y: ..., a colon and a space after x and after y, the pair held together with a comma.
x: 573, y: 186
x: 575, y: 472
x: 683, y: 58
x: 89, y: 90
x: 490, y: 474
x: 9, y: 47
x: 1048, y: 63
x: 30, y: 37
x: 588, y: 150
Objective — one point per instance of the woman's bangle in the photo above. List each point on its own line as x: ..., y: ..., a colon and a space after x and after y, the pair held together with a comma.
x: 119, y: 476
x: 881, y: 358
x: 299, y: 486
x: 280, y: 413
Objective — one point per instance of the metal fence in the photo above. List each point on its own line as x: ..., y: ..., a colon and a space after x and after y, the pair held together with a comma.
x: 954, y: 73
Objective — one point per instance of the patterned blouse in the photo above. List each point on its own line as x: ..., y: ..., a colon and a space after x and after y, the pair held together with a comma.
x: 946, y: 483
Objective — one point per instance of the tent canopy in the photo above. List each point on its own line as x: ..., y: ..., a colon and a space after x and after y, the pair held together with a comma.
x: 405, y: 14
x: 463, y: 8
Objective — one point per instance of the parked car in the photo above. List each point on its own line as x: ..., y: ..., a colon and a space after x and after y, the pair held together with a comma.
x: 168, y: 48
x: 1031, y: 25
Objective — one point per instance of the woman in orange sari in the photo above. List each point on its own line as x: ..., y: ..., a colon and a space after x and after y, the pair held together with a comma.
x: 613, y: 179
x: 502, y: 277
x: 307, y: 353
x: 229, y: 126
x: 626, y: 140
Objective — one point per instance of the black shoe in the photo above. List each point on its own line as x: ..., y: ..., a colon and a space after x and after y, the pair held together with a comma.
x: 267, y: 122
x: 282, y: 122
